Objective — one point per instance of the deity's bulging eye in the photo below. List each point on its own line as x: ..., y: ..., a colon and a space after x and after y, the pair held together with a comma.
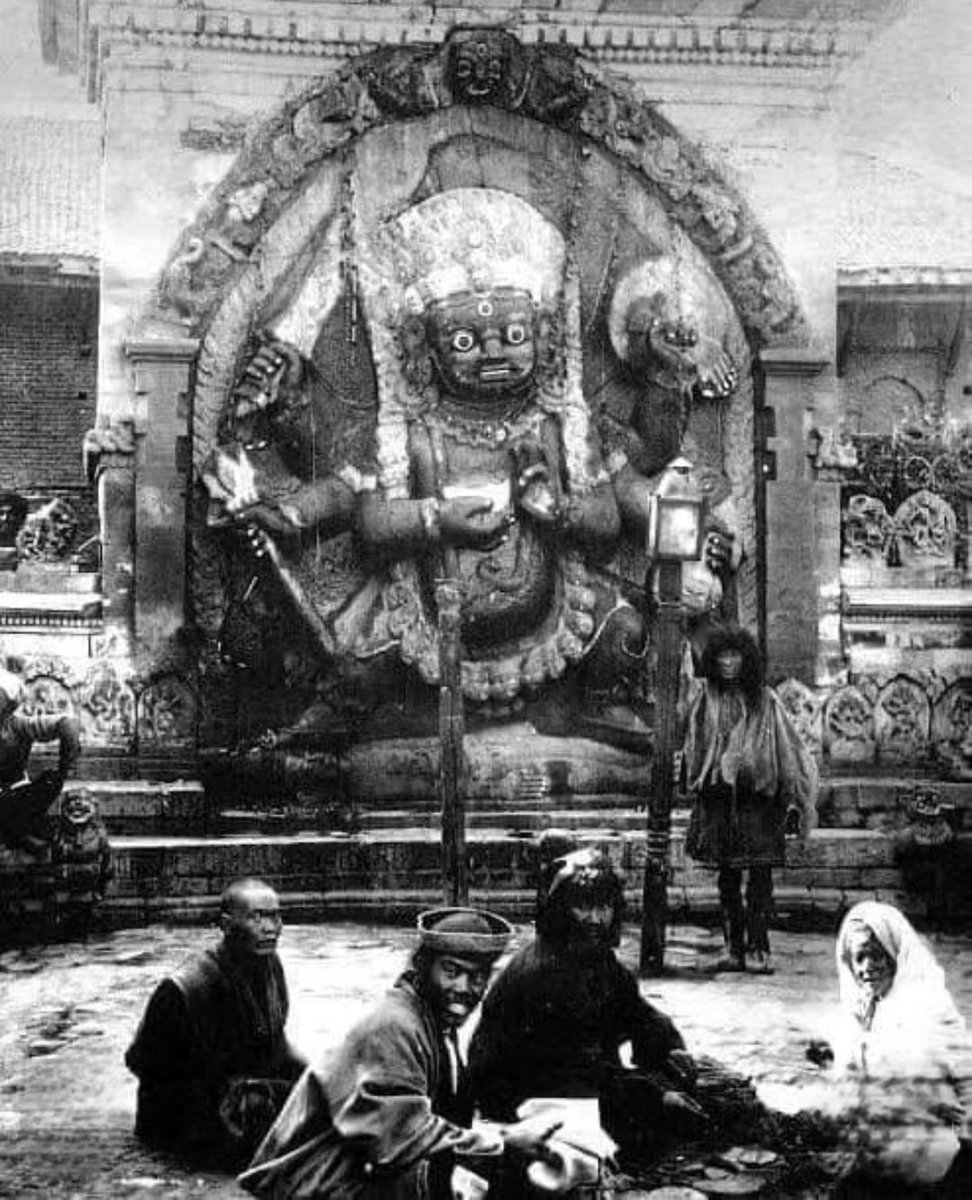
x: 516, y: 334
x: 463, y: 340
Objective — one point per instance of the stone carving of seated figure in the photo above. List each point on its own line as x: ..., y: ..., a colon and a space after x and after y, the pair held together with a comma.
x: 487, y: 467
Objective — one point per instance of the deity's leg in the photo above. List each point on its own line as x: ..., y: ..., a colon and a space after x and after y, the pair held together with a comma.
x: 613, y: 670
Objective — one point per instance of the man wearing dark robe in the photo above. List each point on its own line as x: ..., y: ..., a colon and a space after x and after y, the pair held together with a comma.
x: 388, y: 1115
x: 555, y: 1020
x: 25, y: 802
x: 211, y: 1055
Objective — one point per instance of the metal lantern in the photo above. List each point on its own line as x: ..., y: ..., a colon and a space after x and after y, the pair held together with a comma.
x: 675, y: 515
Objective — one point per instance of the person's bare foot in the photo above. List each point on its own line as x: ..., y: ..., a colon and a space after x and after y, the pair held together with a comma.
x: 727, y: 963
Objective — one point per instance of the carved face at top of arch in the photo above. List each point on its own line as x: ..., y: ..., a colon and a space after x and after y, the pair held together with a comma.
x: 482, y: 64
x: 484, y: 343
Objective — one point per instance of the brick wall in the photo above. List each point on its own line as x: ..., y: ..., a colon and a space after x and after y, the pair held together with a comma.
x: 48, y: 380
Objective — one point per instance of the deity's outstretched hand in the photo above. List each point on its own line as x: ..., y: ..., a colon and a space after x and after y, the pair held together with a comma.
x: 716, y: 372
x: 717, y: 550
x: 272, y: 378
x: 673, y: 352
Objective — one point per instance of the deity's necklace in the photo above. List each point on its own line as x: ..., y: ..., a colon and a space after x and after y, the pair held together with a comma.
x: 494, y: 429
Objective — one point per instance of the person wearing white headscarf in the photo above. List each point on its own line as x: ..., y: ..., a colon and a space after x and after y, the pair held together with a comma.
x: 901, y: 1048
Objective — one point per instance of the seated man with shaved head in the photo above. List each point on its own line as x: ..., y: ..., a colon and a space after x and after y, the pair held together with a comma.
x: 213, y: 1062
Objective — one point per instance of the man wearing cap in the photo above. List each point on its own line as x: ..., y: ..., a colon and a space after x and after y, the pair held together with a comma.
x: 213, y: 1062
x: 388, y: 1116
x: 24, y: 803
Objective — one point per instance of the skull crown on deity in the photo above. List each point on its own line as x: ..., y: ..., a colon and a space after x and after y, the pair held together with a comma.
x: 486, y: 465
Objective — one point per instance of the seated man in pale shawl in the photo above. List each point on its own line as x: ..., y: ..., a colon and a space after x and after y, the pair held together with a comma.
x: 900, y: 1060
x: 388, y: 1114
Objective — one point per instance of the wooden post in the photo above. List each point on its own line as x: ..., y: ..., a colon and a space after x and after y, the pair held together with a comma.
x: 658, y: 834
x: 455, y: 879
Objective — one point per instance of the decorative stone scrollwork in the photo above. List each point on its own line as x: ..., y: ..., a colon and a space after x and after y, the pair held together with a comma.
x: 926, y: 528
x: 868, y: 528
x: 115, y: 439
x: 166, y: 714
x: 901, y: 722
x: 49, y: 532
x: 922, y: 474
x: 833, y: 450
x: 805, y: 710
x: 849, y: 726
x: 952, y: 729
x: 107, y: 707
x: 47, y: 694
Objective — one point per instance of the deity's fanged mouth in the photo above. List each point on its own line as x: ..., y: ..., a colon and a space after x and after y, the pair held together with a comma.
x: 495, y: 373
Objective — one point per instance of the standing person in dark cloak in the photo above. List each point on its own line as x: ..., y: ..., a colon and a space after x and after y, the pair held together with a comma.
x: 555, y: 1020
x: 746, y: 768
x: 211, y: 1055
x: 387, y: 1115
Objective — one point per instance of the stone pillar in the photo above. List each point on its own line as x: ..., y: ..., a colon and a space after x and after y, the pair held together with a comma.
x: 161, y: 379
x: 109, y: 457
x: 798, y: 509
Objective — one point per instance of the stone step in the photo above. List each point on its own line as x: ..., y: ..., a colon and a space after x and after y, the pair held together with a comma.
x: 389, y: 871
x: 394, y: 872
x: 888, y: 801
x: 512, y: 820
x: 179, y: 805
x: 150, y: 806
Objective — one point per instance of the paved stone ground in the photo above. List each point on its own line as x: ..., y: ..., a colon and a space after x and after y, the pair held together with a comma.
x: 67, y: 1013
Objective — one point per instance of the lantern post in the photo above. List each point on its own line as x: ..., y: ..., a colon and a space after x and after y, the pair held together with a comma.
x: 675, y: 534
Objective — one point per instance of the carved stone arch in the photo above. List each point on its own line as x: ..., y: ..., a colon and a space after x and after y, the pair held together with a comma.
x: 396, y: 126
x: 561, y: 90
x: 884, y: 401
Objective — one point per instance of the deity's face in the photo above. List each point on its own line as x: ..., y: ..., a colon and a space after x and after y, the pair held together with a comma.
x: 871, y: 965
x: 484, y: 343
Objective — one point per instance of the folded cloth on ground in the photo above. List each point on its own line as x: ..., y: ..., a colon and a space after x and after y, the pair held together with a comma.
x: 576, y: 1150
